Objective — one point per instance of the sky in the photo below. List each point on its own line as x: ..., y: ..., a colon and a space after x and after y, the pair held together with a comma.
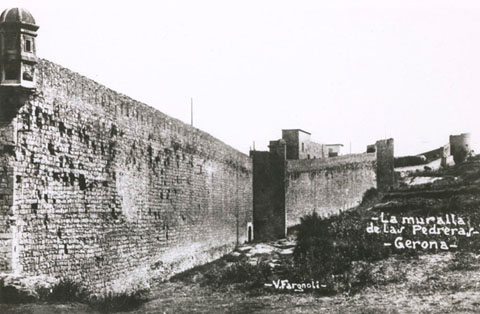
x: 348, y: 72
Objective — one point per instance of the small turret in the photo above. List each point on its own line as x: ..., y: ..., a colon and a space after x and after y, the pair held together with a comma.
x: 17, y: 49
x: 460, y: 147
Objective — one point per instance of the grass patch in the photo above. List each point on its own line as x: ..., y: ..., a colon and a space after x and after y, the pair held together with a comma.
x: 120, y: 302
x: 462, y: 261
x: 240, y: 274
x: 70, y: 291
x: 435, y: 283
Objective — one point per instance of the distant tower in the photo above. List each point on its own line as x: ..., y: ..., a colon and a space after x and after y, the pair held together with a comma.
x: 460, y: 147
x: 17, y: 49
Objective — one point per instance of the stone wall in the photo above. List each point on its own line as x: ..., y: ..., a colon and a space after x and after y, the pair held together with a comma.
x: 385, y: 164
x: 105, y: 185
x: 6, y: 196
x: 314, y: 150
x: 443, y: 151
x: 327, y: 185
x: 286, y: 190
x: 269, y: 193
x: 423, y: 158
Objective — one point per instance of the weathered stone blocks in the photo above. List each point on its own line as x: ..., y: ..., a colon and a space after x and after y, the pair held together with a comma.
x: 104, y: 185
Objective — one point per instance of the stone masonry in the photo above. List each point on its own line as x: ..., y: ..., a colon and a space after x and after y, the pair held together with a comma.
x: 286, y: 189
x: 94, y: 185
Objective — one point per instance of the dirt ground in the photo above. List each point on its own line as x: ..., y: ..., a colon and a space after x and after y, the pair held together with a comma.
x: 432, y: 283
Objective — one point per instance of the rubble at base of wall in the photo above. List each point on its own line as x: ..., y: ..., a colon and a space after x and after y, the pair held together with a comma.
x: 28, y: 285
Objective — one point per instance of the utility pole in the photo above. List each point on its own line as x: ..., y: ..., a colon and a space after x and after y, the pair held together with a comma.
x: 191, y: 111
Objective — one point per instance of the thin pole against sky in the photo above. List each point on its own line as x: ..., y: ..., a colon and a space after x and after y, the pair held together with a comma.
x: 191, y: 111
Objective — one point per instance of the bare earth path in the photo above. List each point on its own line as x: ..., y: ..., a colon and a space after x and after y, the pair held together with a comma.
x: 428, y: 286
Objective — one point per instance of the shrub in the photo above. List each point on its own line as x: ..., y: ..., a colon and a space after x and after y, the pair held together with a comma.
x: 338, y: 240
x: 360, y: 277
x: 12, y: 295
x: 241, y: 272
x: 65, y: 290
x: 388, y: 273
x: 369, y: 196
x: 328, y: 247
x: 116, y: 302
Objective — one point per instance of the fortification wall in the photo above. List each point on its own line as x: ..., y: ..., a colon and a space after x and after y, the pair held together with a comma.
x: 327, y: 185
x: 443, y: 151
x: 385, y: 164
x: 269, y: 193
x: 106, y: 185
x: 6, y: 196
x: 423, y: 158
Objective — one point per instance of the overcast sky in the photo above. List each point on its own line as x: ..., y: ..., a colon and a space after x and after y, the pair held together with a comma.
x: 349, y: 72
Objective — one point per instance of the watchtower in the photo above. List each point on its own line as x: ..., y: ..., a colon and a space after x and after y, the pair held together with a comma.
x: 17, y: 49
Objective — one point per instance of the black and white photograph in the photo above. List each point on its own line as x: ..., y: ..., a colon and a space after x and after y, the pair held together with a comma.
x: 269, y: 156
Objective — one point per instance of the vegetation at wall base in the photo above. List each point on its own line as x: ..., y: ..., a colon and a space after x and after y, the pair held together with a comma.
x: 70, y: 291
x: 65, y: 291
x: 339, y: 251
x: 12, y: 295
x: 119, y: 302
